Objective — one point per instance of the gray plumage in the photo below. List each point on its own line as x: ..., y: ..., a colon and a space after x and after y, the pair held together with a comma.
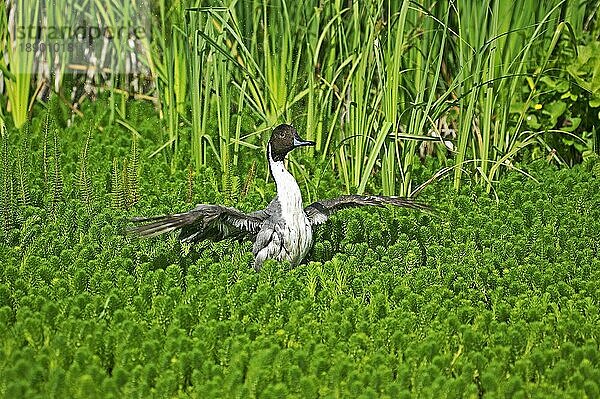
x: 281, y: 231
x: 319, y: 211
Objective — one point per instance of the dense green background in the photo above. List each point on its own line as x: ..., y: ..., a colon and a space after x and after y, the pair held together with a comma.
x: 496, y: 296
x: 499, y: 298
x: 371, y: 82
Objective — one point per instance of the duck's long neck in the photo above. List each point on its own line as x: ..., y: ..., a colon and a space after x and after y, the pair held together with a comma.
x: 288, y: 190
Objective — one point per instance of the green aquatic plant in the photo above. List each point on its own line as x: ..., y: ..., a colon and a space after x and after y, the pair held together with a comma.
x: 84, y: 179
x: 47, y: 126
x: 23, y: 166
x: 8, y: 209
x: 133, y: 171
x: 494, y: 298
x: 116, y: 186
x: 57, y: 174
x: 125, y: 179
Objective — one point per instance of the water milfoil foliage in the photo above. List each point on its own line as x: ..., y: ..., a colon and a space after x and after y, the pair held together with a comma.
x: 490, y: 298
x: 495, y: 296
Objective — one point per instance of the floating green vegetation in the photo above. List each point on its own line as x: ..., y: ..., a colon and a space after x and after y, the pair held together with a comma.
x: 497, y: 296
x: 499, y: 299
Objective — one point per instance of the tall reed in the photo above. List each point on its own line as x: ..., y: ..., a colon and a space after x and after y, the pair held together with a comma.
x: 499, y: 43
x: 368, y: 81
x: 18, y: 61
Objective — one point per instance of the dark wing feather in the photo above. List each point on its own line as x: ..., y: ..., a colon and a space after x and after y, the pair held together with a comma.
x: 318, y: 212
x: 204, y: 222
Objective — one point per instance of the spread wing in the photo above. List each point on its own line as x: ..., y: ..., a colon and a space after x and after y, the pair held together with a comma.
x: 318, y: 212
x: 204, y: 222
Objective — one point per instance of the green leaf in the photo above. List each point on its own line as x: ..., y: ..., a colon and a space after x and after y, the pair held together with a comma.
x: 532, y: 121
x: 548, y: 81
x: 555, y: 110
x: 562, y: 86
x: 573, y: 124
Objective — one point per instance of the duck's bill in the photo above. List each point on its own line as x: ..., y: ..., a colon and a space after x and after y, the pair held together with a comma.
x: 298, y: 142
